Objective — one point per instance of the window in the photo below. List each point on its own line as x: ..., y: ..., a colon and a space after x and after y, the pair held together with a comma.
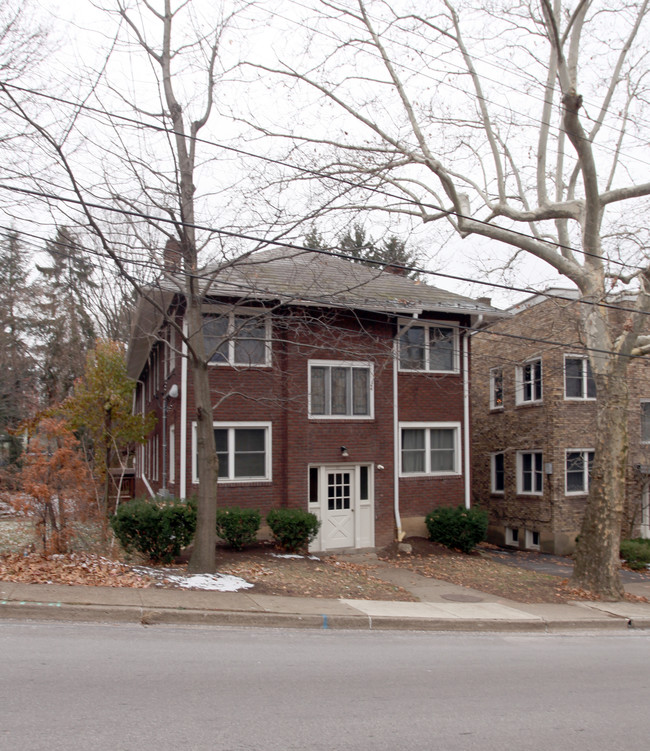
x: 578, y: 379
x: 496, y: 388
x: 529, y: 382
x: 340, y: 389
x: 429, y: 450
x: 432, y: 348
x: 532, y: 539
x: 512, y: 536
x: 172, y: 454
x: 236, y: 339
x: 243, y: 450
x: 530, y: 477
x: 498, y: 472
x: 578, y: 470
x: 645, y: 421
x: 170, y: 351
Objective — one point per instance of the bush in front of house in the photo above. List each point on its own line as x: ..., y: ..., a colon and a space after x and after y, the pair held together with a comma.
x: 238, y: 526
x: 157, y: 529
x: 636, y: 552
x: 293, y: 529
x: 459, y: 528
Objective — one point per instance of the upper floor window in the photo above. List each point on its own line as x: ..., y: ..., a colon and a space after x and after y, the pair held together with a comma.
x: 578, y: 379
x: 340, y: 389
x: 645, y: 421
x: 430, y: 450
x: 578, y: 470
x: 170, y: 351
x: 496, y: 388
x: 530, y: 474
x: 428, y: 347
x: 497, y: 472
x: 237, y: 339
x: 529, y: 382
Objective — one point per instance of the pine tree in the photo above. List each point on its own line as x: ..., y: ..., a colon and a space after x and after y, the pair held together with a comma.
x: 66, y: 326
x: 17, y: 383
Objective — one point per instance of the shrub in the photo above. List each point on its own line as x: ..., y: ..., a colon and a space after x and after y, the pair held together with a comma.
x: 636, y: 552
x: 459, y: 528
x: 238, y: 526
x: 293, y: 529
x: 157, y: 529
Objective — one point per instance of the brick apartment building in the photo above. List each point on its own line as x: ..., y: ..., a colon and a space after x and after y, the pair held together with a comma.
x: 533, y: 421
x: 337, y: 388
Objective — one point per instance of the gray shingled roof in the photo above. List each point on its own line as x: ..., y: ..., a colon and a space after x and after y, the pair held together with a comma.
x: 313, y: 278
x: 304, y: 278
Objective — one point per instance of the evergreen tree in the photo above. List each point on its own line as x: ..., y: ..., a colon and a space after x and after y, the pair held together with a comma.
x: 17, y: 386
x: 66, y: 325
x: 391, y: 254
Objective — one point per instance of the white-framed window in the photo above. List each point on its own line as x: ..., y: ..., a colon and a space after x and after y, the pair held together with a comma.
x: 645, y: 420
x: 340, y: 389
x: 530, y: 473
x: 497, y: 472
x: 578, y: 466
x: 239, y: 338
x: 430, y: 347
x: 170, y: 351
x: 529, y: 382
x: 512, y: 536
x: 430, y: 448
x: 532, y: 539
x: 496, y: 388
x: 172, y: 454
x: 243, y: 449
x: 578, y: 379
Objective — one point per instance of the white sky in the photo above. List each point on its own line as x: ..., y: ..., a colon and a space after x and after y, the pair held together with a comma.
x: 83, y: 32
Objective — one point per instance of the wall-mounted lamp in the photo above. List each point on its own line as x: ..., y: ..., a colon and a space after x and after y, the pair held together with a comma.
x: 344, y: 452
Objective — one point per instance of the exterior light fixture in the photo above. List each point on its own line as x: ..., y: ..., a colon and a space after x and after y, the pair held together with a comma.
x: 344, y: 452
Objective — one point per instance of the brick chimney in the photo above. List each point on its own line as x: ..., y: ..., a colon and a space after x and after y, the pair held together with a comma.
x: 172, y: 256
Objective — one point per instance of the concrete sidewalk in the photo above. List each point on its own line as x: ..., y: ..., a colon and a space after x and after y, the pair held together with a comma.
x: 442, y: 607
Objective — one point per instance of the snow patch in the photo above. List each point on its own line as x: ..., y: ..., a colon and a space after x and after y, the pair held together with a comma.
x: 293, y: 555
x: 215, y: 582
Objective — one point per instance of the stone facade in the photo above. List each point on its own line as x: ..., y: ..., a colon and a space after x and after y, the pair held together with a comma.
x: 531, y: 443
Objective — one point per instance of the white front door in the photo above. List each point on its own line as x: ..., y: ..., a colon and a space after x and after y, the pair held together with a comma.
x: 342, y: 498
x: 338, y: 504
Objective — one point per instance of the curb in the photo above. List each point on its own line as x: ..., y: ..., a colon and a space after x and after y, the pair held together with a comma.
x: 71, y: 613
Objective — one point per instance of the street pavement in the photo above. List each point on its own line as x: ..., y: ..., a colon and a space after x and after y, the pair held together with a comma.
x: 442, y: 607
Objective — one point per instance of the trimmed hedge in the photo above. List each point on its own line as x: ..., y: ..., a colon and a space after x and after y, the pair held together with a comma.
x: 636, y: 552
x: 238, y: 526
x: 459, y: 528
x: 293, y: 529
x: 157, y: 529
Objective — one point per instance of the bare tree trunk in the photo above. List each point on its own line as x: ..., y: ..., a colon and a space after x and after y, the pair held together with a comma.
x: 597, y: 558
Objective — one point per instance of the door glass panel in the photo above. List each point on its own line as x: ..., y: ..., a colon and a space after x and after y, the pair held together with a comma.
x: 338, y: 491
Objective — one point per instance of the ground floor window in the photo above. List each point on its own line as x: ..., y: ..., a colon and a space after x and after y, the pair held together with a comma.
x: 530, y: 475
x: 430, y: 449
x: 578, y: 470
x: 243, y: 450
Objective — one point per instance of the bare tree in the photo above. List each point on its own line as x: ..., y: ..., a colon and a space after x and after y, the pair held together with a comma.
x: 522, y: 124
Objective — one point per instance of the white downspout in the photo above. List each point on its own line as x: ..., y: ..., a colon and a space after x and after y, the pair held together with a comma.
x: 183, y: 436
x: 396, y: 442
x: 466, y: 425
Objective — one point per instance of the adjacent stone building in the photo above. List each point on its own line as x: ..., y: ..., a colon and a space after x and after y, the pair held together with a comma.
x: 533, y: 421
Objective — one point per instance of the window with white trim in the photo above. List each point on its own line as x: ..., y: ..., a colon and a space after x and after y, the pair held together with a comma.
x: 578, y: 379
x: 512, y: 536
x: 170, y: 351
x: 429, y: 347
x: 532, y: 539
x: 235, y: 338
x: 340, y: 389
x: 497, y: 472
x: 529, y: 382
x: 243, y: 450
x: 578, y: 470
x: 530, y: 472
x: 645, y: 420
x: 431, y: 449
x: 496, y: 388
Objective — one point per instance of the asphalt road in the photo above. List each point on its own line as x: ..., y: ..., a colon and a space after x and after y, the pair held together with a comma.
x: 130, y: 688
